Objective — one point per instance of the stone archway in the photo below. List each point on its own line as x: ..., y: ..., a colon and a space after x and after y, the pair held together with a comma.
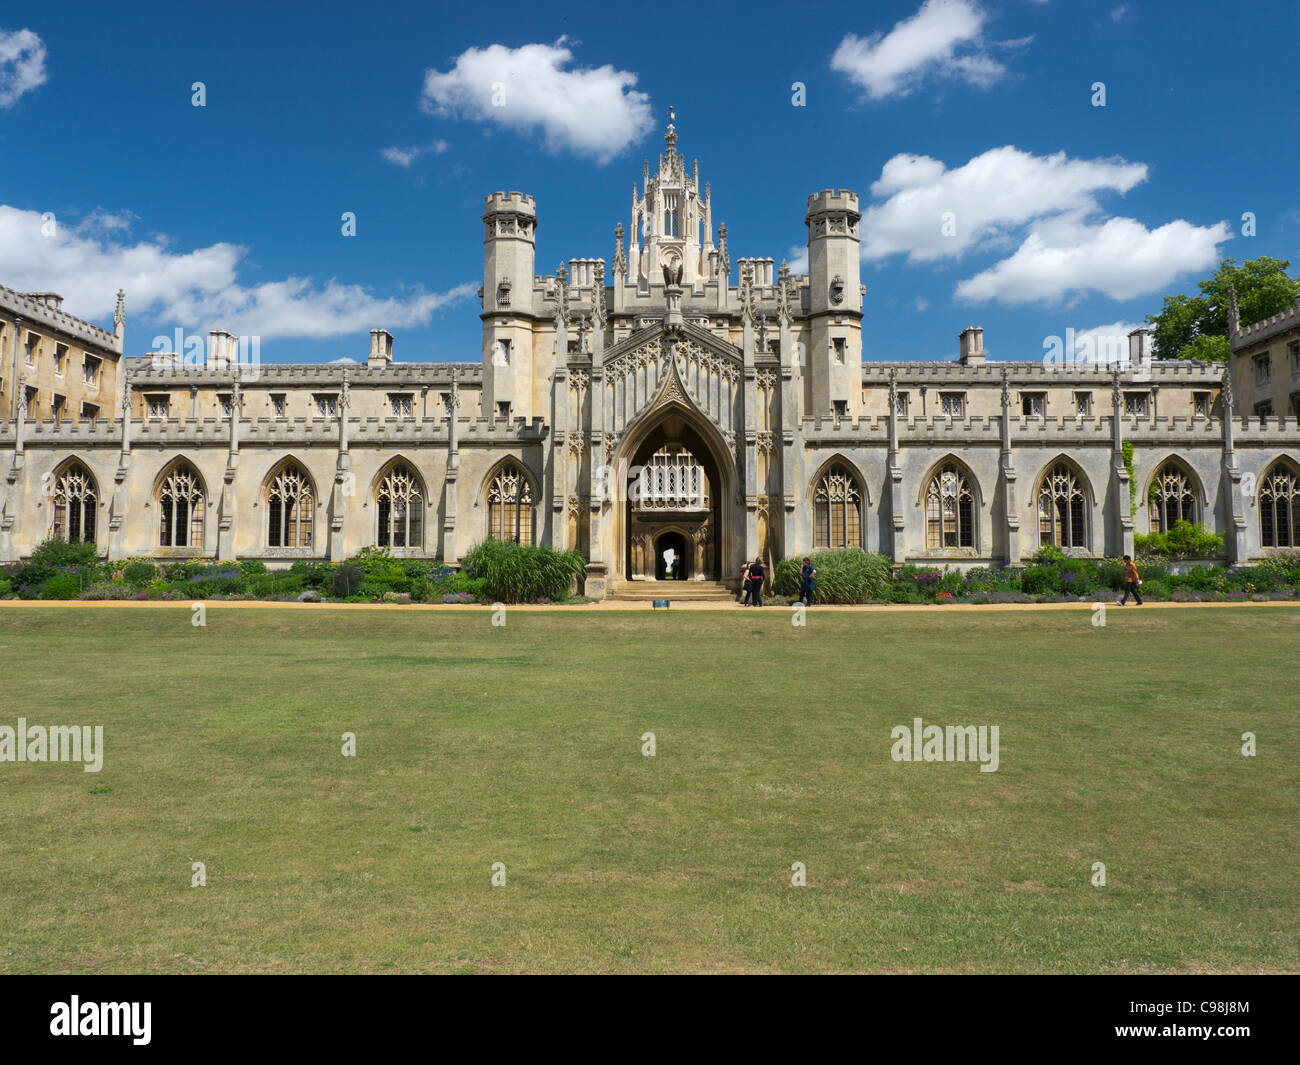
x: 675, y: 486
x: 673, y: 556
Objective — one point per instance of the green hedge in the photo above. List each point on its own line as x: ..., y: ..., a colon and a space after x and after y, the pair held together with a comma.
x: 516, y: 573
x: 845, y: 575
x: 1185, y: 540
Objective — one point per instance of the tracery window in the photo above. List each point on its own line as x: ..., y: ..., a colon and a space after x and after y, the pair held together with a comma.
x: 837, y: 508
x: 949, y: 510
x: 180, y: 502
x: 510, y: 506
x: 74, y: 505
x: 672, y: 215
x: 289, y: 509
x: 400, y: 509
x: 1062, y: 520
x: 1279, y: 507
x: 1172, y: 498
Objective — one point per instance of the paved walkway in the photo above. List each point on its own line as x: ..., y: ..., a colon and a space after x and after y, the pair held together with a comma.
x: 237, y: 604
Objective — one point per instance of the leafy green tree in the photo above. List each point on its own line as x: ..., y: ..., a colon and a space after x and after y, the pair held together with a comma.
x: 1196, y: 327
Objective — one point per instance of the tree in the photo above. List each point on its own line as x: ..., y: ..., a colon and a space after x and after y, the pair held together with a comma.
x: 1196, y: 327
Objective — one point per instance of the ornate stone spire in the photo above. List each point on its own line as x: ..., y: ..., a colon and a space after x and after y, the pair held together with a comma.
x: 599, y: 315
x: 119, y: 315
x: 670, y: 137
x: 748, y: 304
x: 784, y: 295
x: 561, y: 295
x: 1234, y: 314
x: 724, y: 260
x: 620, y: 258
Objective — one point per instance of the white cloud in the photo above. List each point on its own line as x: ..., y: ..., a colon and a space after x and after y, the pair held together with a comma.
x: 797, y: 259
x: 1045, y: 211
x: 1120, y: 258
x: 594, y: 112
x: 198, y: 290
x: 404, y: 157
x: 22, y: 65
x: 933, y: 213
x: 1100, y: 344
x: 943, y: 38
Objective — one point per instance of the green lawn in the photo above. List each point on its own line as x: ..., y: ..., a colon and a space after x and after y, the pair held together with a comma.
x: 522, y: 745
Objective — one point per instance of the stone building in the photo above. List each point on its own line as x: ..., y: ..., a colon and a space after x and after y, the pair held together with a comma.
x: 650, y: 413
x: 1265, y: 362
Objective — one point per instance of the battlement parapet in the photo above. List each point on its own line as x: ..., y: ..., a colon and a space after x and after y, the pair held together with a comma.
x: 38, y: 312
x: 509, y: 203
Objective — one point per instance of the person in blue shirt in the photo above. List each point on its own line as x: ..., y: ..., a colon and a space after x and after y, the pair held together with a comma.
x: 806, y: 574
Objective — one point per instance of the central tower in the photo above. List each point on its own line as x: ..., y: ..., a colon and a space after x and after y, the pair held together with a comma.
x: 672, y: 222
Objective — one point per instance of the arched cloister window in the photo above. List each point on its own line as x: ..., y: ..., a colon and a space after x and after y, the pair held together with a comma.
x: 75, y: 499
x: 510, y: 505
x: 1172, y: 497
x: 289, y: 508
x: 949, y: 510
x: 837, y: 509
x: 1062, y: 503
x: 400, y: 507
x: 1279, y: 507
x: 181, y: 510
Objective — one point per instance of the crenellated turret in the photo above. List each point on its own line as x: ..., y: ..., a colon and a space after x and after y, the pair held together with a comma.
x: 509, y: 252
x: 835, y: 302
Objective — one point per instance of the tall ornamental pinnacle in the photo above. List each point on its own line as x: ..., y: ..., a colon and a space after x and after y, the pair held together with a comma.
x: 671, y: 224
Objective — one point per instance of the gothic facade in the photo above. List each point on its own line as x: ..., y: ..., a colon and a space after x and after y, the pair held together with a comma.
x: 654, y: 416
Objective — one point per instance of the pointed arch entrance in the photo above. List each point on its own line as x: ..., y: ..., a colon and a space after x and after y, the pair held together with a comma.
x: 676, y: 496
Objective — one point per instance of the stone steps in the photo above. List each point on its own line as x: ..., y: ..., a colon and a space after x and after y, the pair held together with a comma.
x: 678, y: 591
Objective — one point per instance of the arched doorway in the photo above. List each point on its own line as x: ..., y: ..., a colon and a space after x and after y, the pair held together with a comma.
x: 674, y: 489
x: 672, y: 557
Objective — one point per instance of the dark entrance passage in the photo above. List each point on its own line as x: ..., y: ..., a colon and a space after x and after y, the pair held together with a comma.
x: 672, y: 560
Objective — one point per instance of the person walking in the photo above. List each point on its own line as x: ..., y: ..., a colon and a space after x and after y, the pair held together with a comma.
x: 806, y: 573
x: 756, y: 582
x: 744, y: 585
x: 1131, y: 582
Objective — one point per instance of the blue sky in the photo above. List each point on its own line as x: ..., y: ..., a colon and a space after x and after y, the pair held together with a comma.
x: 1066, y: 215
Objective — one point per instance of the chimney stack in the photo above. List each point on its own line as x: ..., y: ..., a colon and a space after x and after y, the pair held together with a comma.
x: 972, y: 346
x: 221, y: 349
x: 1139, y: 346
x: 381, y: 348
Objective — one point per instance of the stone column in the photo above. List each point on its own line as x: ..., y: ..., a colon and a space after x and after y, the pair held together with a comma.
x: 559, y: 486
x: 120, y: 504
x: 897, y: 514
x: 450, y: 548
x: 228, y: 514
x: 1011, y: 513
x: 1122, y: 504
x: 344, y: 481
x: 1234, y: 527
